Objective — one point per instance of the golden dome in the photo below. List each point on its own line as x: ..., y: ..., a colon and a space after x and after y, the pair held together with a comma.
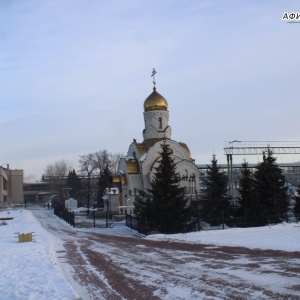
x: 155, y: 101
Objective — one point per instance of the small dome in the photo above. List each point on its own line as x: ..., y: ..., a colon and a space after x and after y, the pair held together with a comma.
x: 155, y: 101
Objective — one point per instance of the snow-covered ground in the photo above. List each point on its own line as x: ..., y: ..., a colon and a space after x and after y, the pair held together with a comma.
x: 277, y: 237
x: 30, y: 271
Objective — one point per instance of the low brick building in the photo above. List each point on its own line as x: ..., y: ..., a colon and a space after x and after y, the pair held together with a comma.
x: 11, y: 187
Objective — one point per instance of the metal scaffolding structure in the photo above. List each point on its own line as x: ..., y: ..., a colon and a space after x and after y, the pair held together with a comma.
x: 256, y: 148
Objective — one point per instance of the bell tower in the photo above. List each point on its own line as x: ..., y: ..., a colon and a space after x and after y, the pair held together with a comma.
x: 156, y: 115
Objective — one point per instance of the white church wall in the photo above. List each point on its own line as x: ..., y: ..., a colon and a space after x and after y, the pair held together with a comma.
x: 179, y: 153
x: 152, y: 119
x: 168, y: 132
x: 146, y: 180
x: 135, y: 182
x: 150, y: 133
x: 156, y: 123
x: 188, y: 170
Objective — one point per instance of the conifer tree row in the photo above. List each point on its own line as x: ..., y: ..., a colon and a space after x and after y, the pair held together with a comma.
x: 263, y: 195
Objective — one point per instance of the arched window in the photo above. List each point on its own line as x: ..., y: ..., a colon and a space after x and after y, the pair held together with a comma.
x: 160, y: 123
x: 192, y: 184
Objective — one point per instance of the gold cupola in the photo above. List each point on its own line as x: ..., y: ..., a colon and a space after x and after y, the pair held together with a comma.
x: 155, y: 101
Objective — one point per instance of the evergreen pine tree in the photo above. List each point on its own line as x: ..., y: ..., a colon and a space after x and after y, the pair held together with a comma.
x: 216, y: 201
x: 103, y: 183
x: 142, y: 209
x: 141, y: 205
x: 271, y: 189
x: 165, y: 205
x: 250, y: 207
x: 74, y: 183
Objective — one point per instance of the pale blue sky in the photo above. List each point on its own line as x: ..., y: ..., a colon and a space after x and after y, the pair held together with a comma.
x: 74, y: 75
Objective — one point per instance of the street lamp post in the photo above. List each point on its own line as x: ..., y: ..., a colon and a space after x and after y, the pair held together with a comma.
x: 109, y: 191
x: 88, y: 201
x: 89, y: 191
x: 197, y: 202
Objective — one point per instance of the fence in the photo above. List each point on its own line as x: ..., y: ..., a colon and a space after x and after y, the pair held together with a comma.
x: 197, y: 223
x: 85, y: 219
x: 64, y: 214
x: 246, y: 221
x: 138, y: 224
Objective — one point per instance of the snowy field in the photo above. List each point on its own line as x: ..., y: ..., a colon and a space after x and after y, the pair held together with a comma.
x: 30, y: 271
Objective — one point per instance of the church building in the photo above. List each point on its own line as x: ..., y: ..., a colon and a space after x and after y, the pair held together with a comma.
x: 136, y: 169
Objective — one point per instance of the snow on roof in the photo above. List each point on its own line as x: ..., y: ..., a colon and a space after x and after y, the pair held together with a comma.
x: 144, y: 156
x: 129, y: 157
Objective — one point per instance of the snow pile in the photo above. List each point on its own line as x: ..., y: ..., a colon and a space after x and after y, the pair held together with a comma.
x: 28, y: 270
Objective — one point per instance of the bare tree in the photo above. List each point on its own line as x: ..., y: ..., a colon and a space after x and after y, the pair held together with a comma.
x: 56, y: 174
x: 87, y: 168
x: 97, y: 168
x: 106, y: 164
x: 115, y: 159
x: 101, y: 159
x: 101, y: 162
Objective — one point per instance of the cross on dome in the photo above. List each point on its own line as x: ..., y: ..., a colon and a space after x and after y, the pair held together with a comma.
x: 153, y: 75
